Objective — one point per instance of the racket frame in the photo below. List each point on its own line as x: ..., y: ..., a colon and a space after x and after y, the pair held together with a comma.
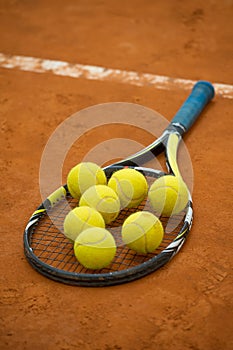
x: 201, y: 94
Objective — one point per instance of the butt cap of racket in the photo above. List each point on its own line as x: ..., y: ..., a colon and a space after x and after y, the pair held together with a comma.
x: 208, y: 86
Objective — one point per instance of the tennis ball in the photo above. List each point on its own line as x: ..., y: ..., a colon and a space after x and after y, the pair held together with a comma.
x: 142, y: 232
x: 103, y: 199
x: 130, y: 185
x: 83, y: 176
x: 95, y: 248
x: 168, y: 195
x: 80, y: 219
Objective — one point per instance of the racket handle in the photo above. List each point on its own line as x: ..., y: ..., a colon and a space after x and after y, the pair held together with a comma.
x: 201, y: 95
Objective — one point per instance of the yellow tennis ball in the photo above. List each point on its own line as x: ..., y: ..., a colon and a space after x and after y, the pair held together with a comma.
x: 130, y: 185
x: 103, y: 199
x: 95, y: 248
x: 142, y: 232
x: 80, y: 219
x: 83, y: 176
x: 168, y: 195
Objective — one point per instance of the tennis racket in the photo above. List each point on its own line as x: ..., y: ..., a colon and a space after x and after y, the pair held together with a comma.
x: 51, y: 253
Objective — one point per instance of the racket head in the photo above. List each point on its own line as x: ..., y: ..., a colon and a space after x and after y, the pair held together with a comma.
x: 51, y: 253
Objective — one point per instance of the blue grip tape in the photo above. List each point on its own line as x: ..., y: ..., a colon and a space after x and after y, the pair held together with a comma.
x: 202, y: 93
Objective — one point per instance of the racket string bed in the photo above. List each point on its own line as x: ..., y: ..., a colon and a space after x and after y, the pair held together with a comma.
x: 49, y: 244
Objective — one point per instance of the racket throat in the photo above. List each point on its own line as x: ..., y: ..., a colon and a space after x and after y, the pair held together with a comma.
x: 171, y: 153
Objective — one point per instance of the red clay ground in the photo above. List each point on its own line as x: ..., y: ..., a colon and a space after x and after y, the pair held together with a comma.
x: 188, y: 303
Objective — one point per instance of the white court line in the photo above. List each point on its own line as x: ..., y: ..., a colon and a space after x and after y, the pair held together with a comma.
x: 39, y: 65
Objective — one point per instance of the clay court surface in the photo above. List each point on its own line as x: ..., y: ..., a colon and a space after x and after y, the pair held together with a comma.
x: 188, y: 303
